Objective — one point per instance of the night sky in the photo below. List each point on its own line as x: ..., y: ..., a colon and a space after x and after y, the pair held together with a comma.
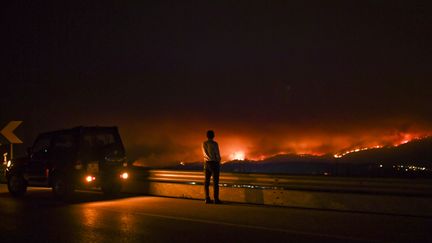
x: 268, y: 76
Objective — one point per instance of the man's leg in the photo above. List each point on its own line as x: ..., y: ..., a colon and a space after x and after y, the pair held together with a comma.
x: 207, y: 172
x: 216, y: 171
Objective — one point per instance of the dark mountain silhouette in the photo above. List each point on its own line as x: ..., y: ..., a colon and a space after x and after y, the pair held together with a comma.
x: 417, y: 152
x: 413, y: 159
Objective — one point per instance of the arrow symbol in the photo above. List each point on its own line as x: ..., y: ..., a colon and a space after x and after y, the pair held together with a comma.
x: 7, y: 132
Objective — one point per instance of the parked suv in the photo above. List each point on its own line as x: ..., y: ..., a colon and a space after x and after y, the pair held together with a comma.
x: 77, y: 158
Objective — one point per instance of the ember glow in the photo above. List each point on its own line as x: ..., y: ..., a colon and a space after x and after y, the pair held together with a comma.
x: 340, y: 155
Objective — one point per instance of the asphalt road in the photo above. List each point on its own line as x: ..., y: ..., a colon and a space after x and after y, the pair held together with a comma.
x: 91, y: 217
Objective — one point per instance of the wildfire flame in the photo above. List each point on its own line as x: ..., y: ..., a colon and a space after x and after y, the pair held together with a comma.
x: 406, y: 139
x: 239, y: 155
x: 340, y: 155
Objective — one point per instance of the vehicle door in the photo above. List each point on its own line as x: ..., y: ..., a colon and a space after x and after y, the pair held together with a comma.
x: 98, y: 146
x: 90, y: 153
x: 63, y: 154
x: 38, y: 165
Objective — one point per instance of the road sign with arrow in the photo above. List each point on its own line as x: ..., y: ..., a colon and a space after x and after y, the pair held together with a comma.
x: 7, y: 132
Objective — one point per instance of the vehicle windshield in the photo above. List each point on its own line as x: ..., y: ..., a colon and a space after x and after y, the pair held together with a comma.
x: 98, y: 140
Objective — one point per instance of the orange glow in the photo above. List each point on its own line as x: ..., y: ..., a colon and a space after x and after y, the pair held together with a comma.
x: 240, y: 141
x: 90, y: 178
x: 239, y: 155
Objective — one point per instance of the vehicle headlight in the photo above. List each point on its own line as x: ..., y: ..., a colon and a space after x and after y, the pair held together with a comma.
x: 124, y: 175
x: 90, y: 178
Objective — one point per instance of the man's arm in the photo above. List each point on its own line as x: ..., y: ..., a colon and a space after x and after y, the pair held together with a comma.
x: 204, y: 150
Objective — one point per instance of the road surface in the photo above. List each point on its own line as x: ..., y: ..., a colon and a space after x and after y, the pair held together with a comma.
x: 93, y: 218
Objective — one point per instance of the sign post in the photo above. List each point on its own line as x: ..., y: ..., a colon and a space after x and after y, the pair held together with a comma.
x: 7, y: 133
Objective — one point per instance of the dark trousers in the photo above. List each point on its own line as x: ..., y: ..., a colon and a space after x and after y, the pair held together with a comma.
x: 212, y: 168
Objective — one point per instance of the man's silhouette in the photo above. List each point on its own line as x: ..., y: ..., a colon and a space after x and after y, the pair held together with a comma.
x: 211, y: 166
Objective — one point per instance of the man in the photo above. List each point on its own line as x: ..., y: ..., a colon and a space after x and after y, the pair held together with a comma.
x: 211, y: 167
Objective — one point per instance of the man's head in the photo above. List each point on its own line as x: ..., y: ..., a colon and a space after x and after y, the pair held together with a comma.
x: 210, y: 134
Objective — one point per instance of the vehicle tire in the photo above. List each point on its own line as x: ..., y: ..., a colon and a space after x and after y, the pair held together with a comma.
x: 17, y: 185
x: 62, y: 188
x: 111, y: 188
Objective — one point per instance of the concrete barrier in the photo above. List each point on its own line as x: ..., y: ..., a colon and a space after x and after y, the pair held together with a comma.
x: 411, y: 197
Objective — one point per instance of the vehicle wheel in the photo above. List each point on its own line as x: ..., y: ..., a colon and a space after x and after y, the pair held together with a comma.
x: 17, y: 186
x: 62, y: 188
x: 111, y: 188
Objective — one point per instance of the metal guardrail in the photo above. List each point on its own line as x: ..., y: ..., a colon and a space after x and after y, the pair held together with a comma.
x: 382, y: 186
x: 408, y: 187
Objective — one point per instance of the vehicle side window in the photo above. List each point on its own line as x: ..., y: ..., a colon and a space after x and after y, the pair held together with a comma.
x: 87, y: 142
x: 41, y: 147
x: 64, y: 143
